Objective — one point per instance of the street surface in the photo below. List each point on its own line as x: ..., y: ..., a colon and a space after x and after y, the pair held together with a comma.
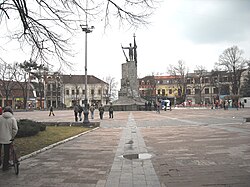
x: 178, y: 148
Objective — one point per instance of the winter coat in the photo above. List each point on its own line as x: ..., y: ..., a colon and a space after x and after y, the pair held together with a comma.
x: 8, y: 128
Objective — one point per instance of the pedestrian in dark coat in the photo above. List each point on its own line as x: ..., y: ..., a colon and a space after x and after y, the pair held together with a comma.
x: 80, y: 109
x: 111, y: 111
x: 51, y: 111
x: 76, y: 112
x: 101, y: 111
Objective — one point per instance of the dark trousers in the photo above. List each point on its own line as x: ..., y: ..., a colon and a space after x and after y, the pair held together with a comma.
x: 111, y: 114
x: 76, y: 118
x: 6, y: 157
x: 51, y: 112
x: 101, y: 115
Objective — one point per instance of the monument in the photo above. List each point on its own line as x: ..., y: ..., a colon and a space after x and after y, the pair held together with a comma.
x: 128, y: 96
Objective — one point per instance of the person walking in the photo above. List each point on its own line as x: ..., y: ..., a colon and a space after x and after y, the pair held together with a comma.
x: 1, y: 110
x: 51, y: 111
x: 158, y: 107
x: 92, y: 109
x: 76, y: 112
x: 8, y: 131
x: 80, y: 109
x: 111, y: 111
x: 101, y: 111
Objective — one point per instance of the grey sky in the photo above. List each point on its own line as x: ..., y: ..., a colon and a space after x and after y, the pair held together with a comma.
x: 195, y: 31
x: 214, y: 21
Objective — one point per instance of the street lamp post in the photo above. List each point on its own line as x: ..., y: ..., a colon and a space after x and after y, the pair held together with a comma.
x: 86, y: 29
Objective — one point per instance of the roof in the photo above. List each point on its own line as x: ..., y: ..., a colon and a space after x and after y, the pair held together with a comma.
x: 80, y: 79
x: 167, y: 77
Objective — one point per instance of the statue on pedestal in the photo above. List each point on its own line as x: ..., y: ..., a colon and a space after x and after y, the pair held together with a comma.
x: 131, y: 52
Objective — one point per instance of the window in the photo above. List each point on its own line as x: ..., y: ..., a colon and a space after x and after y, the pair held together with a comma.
x: 72, y: 92
x: 54, y: 87
x: 206, y: 80
x: 188, y: 81
x: 77, y: 92
x: 83, y: 92
x: 163, y: 92
x: 67, y: 92
x: 215, y: 79
x: 92, y: 91
x: 216, y: 90
x: 197, y: 91
x: 143, y: 93
x: 206, y: 90
x: 188, y: 91
x: 99, y: 92
x: 197, y: 81
x: 170, y: 91
x: 224, y: 79
x: 159, y: 92
x: 179, y: 92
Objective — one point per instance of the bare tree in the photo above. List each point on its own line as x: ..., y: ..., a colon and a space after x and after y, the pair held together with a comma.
x: 22, y: 78
x: 47, y: 26
x: 232, y: 61
x: 6, y: 80
x: 179, y: 71
x: 199, y: 85
x: 112, y: 91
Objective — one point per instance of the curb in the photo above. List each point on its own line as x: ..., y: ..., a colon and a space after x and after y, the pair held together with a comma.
x: 54, y: 145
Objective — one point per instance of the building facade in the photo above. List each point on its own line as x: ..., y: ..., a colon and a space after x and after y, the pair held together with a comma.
x: 73, y: 90
x: 57, y: 90
x: 155, y: 88
x: 199, y: 87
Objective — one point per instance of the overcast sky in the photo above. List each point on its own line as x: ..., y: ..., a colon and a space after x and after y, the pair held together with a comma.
x: 191, y: 30
x: 195, y: 31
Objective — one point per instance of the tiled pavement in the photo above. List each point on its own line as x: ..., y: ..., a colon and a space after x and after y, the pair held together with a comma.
x: 184, y: 147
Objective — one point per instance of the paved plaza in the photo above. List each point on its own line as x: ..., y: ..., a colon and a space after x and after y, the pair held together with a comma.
x: 178, y: 148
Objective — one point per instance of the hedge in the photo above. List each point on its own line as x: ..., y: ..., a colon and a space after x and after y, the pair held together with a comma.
x: 28, y: 127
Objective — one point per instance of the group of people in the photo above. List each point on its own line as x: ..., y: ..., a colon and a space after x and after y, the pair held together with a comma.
x: 8, y: 131
x: 110, y: 109
x: 79, y: 109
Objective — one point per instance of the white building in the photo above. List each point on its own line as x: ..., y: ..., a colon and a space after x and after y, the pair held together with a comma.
x: 70, y: 90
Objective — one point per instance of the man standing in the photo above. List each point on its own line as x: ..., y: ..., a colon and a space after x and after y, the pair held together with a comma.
x: 76, y: 109
x: 8, y: 131
x: 111, y: 111
x: 92, y: 109
x: 101, y: 111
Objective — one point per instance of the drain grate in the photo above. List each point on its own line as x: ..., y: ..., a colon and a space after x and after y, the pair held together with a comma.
x: 140, y: 156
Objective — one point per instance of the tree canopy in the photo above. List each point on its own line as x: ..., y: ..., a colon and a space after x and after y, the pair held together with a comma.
x: 232, y: 61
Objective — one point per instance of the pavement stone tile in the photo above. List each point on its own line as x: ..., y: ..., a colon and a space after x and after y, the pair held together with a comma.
x: 189, y: 147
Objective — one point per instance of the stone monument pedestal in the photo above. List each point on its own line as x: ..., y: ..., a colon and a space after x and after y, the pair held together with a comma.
x: 128, y: 96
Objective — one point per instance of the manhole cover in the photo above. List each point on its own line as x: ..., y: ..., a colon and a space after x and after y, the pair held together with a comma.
x: 141, y: 156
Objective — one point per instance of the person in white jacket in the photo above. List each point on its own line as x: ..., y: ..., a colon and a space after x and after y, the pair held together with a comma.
x: 8, y: 131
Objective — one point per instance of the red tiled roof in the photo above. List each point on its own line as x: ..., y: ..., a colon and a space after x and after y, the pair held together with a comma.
x: 80, y: 79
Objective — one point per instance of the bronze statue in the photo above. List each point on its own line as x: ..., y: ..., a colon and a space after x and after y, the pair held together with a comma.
x: 131, y: 52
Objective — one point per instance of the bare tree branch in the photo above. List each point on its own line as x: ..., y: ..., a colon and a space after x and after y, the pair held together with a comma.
x: 43, y: 23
